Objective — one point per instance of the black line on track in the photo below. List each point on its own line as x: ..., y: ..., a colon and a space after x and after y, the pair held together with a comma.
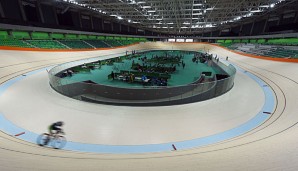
x: 169, y: 156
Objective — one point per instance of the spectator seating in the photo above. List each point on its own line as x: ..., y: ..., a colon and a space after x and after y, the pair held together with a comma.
x: 285, y: 41
x: 47, y: 44
x: 20, y: 35
x: 76, y: 44
x: 62, y: 41
x: 113, y: 43
x: 4, y: 35
x: 97, y: 43
x: 276, y: 41
x: 40, y: 36
x: 283, y: 53
x: 57, y: 36
x: 15, y: 43
x: 265, y: 50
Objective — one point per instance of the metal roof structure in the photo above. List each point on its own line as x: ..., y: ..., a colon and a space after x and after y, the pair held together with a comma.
x: 181, y: 16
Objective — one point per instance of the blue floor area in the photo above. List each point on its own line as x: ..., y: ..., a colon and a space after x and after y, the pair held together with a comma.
x: 181, y: 76
x: 269, y: 105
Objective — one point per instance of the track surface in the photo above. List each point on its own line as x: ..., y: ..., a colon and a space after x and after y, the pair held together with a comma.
x: 270, y: 146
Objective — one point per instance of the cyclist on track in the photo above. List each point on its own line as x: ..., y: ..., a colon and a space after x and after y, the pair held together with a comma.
x: 56, y: 127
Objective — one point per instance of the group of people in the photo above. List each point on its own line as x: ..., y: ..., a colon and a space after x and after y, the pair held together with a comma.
x: 156, y: 68
x: 159, y: 82
x: 199, y: 57
x: 128, y: 77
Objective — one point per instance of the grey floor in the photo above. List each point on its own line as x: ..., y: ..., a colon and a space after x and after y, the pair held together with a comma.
x: 271, y: 146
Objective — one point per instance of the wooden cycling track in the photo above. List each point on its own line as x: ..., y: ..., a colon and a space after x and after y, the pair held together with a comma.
x: 270, y: 146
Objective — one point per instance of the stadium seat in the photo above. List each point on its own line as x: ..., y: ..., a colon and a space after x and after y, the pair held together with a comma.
x: 15, y: 43
x: 4, y: 35
x: 76, y: 44
x: 20, y: 35
x: 40, y: 35
x: 47, y: 44
x: 97, y: 43
x: 57, y: 36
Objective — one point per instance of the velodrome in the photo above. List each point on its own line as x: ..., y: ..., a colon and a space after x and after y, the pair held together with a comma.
x: 274, y: 140
x: 148, y: 85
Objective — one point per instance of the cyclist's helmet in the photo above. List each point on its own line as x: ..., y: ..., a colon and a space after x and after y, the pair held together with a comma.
x: 60, y: 123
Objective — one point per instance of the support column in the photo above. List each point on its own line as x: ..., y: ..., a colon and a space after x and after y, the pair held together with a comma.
x: 112, y: 27
x: 279, y: 18
x: 55, y: 15
x: 91, y: 20
x: 240, y: 30
x: 1, y: 11
x: 265, y: 25
x: 296, y: 18
x: 80, y: 20
x: 22, y: 10
x: 40, y: 11
x: 252, y: 27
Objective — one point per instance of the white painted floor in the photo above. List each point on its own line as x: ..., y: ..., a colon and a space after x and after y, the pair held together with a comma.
x: 271, y: 146
x: 118, y: 125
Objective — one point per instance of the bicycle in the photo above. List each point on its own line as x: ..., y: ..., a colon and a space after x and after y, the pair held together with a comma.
x: 55, y: 140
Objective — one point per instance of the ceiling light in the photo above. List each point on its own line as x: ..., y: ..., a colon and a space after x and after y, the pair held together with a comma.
x: 209, y: 25
x: 146, y: 6
x: 256, y: 11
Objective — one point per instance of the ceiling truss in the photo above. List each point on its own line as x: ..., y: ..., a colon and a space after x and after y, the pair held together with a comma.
x: 180, y: 16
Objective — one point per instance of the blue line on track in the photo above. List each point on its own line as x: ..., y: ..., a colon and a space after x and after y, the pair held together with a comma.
x: 269, y: 105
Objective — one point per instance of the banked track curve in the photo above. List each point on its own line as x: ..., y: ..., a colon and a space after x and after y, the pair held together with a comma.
x: 270, y: 146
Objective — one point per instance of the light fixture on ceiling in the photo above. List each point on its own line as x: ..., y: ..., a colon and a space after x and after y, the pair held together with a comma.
x: 146, y: 6
x: 254, y: 11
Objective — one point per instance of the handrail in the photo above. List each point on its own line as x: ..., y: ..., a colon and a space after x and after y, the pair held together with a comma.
x: 149, y: 95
